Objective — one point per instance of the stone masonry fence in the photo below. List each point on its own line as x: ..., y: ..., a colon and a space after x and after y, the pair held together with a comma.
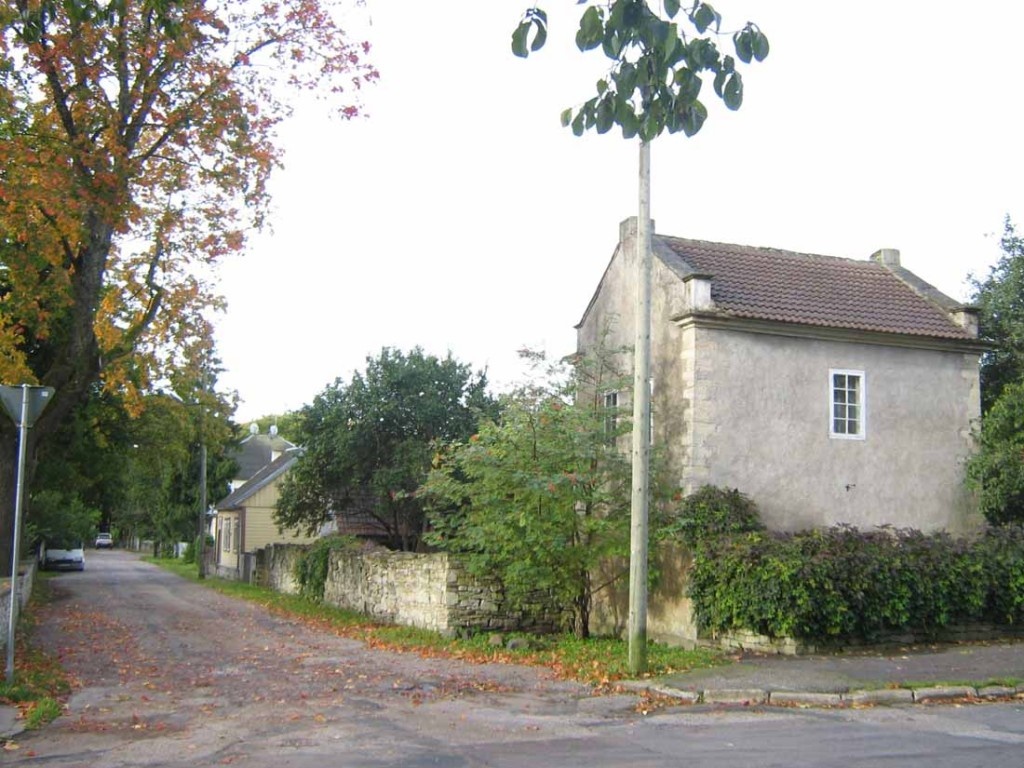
x: 26, y: 575
x: 430, y: 591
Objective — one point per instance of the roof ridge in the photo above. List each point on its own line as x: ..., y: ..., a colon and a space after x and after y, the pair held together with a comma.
x: 760, y: 249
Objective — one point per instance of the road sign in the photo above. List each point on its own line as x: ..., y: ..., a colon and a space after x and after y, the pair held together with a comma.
x: 38, y: 399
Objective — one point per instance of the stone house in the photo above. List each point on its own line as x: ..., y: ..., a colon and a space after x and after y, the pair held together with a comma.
x: 829, y: 390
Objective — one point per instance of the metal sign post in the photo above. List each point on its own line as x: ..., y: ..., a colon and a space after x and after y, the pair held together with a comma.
x: 23, y: 404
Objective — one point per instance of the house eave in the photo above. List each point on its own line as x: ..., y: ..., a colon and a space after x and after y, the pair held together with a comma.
x: 730, y: 322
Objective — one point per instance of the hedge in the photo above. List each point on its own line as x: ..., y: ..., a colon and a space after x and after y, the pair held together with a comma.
x: 844, y: 584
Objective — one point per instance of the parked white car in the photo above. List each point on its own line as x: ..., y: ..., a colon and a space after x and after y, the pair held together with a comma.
x: 68, y: 555
x: 104, y: 541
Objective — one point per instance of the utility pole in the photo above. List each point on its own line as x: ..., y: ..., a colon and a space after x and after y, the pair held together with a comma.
x: 201, y: 547
x: 639, y: 508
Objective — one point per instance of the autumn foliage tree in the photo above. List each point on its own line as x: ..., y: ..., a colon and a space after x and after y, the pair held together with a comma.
x: 136, y: 141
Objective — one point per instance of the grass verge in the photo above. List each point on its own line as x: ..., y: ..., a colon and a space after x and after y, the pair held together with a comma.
x: 599, y: 661
x: 40, y: 684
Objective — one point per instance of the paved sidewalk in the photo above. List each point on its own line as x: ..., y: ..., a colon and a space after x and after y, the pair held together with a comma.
x: 904, y: 675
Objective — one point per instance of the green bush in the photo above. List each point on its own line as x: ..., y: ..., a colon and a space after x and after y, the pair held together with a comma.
x: 710, y: 512
x: 189, y: 555
x: 849, y: 584
x: 311, y: 568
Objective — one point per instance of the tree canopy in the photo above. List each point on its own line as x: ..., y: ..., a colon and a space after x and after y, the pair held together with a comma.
x: 996, y: 471
x: 368, y: 443
x: 540, y: 497
x: 136, y: 142
x: 1000, y: 301
x: 658, y: 64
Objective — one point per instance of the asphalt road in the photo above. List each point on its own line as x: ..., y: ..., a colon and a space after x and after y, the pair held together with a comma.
x: 170, y: 673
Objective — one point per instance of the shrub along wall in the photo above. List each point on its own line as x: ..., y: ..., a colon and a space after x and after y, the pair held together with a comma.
x: 843, y: 584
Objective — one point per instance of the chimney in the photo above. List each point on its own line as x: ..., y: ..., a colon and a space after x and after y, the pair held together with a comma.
x: 627, y: 229
x: 887, y: 257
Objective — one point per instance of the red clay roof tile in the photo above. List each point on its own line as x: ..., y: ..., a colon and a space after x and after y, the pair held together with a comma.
x: 772, y: 284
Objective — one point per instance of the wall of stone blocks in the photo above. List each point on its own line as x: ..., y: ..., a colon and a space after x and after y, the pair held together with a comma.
x: 429, y: 591
x: 26, y: 576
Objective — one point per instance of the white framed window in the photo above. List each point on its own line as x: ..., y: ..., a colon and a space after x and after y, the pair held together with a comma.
x: 611, y: 413
x: 225, y: 536
x: 847, y: 404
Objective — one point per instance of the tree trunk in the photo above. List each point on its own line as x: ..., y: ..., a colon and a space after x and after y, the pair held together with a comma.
x: 581, y: 608
x: 75, y: 367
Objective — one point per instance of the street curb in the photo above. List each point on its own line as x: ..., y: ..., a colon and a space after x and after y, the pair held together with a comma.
x: 861, y: 697
x: 745, y: 696
x: 10, y: 722
x: 942, y: 693
x: 806, y: 699
x: 881, y: 696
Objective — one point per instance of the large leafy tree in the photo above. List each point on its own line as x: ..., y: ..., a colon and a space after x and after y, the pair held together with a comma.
x: 136, y: 141
x: 137, y: 476
x: 996, y: 471
x: 1000, y: 301
x: 540, y: 498
x: 368, y: 443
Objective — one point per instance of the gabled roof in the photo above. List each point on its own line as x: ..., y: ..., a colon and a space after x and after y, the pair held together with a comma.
x: 256, y: 451
x: 778, y: 285
x: 260, y: 480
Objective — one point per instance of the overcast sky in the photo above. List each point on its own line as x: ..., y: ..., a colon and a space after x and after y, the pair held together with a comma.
x: 459, y: 215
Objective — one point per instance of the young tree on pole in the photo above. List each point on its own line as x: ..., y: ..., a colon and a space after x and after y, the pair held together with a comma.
x: 136, y: 141
x: 654, y: 85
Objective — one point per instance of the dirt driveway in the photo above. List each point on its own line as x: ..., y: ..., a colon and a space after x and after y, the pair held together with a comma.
x: 168, y: 672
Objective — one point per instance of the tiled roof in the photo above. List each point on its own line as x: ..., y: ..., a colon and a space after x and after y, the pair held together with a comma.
x: 256, y: 451
x: 776, y: 285
x: 260, y: 480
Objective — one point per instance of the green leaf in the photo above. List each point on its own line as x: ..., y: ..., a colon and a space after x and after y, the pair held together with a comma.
x: 760, y: 46
x: 578, y: 124
x: 605, y: 115
x: 625, y: 79
x: 720, y: 82
x: 744, y: 45
x: 611, y: 44
x: 689, y: 84
x: 704, y: 17
x: 540, y: 20
x: 566, y: 117
x: 693, y: 118
x: 625, y: 116
x: 591, y: 31
x: 733, y: 95
x: 671, y: 8
x: 519, y: 39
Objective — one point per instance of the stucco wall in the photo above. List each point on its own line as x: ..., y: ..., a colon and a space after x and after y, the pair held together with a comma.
x: 669, y: 610
x: 761, y: 424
